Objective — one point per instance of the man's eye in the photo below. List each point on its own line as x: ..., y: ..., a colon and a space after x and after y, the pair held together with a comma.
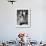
x: 19, y: 16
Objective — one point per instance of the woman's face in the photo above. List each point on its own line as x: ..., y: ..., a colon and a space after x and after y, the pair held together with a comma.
x: 24, y: 13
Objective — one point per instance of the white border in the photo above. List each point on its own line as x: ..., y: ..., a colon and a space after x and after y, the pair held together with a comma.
x: 29, y: 20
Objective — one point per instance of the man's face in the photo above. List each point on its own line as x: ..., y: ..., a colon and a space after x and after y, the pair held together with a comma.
x: 21, y: 13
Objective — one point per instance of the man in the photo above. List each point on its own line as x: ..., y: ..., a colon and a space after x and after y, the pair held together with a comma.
x: 20, y: 18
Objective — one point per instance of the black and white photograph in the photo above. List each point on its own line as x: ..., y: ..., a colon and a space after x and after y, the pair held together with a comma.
x: 23, y: 17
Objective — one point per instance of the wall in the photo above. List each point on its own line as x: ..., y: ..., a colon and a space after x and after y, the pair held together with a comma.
x: 8, y: 28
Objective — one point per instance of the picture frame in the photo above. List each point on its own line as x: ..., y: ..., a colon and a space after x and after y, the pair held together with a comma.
x: 23, y: 17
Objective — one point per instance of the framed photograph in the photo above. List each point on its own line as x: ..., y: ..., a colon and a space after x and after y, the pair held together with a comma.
x: 23, y: 17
